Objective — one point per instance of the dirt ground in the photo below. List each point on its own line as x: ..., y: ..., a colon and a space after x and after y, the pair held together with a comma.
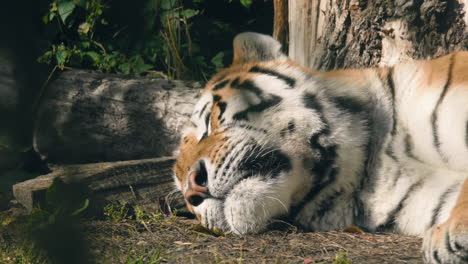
x: 182, y: 240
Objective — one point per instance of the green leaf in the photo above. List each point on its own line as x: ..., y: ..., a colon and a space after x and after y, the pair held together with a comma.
x: 80, y: 3
x: 51, y: 16
x: 46, y: 57
x: 246, y: 3
x: 65, y: 9
x: 143, y: 67
x: 84, y: 28
x: 85, y: 44
x: 61, y: 57
x: 168, y: 4
x: 82, y: 208
x: 95, y: 57
x: 124, y: 68
x: 188, y: 13
x: 217, y: 60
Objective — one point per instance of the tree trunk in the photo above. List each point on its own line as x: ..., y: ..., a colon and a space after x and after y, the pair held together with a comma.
x: 331, y: 34
x: 281, y: 26
x: 92, y: 117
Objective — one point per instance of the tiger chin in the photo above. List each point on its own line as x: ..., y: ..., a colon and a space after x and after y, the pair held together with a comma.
x: 385, y: 149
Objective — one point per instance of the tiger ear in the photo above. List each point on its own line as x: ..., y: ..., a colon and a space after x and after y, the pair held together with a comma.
x: 251, y: 47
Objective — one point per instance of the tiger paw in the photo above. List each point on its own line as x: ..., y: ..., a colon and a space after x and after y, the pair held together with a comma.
x: 447, y: 243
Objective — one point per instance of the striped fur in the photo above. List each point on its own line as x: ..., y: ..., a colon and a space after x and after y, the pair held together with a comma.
x: 385, y: 149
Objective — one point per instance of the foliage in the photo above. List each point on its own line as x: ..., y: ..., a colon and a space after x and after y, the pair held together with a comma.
x: 155, y: 38
x: 142, y: 215
x: 153, y: 256
x: 125, y: 211
x: 341, y: 258
x: 53, y: 231
x: 20, y: 255
x: 117, y: 212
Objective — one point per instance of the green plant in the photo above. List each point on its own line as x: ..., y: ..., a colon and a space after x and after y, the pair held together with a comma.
x: 153, y: 256
x: 341, y: 258
x: 53, y: 231
x: 142, y: 215
x: 11, y: 254
x: 164, y: 38
x: 117, y: 212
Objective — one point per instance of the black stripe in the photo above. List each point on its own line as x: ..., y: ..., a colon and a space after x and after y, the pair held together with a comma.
x: 395, y: 211
x: 327, y: 204
x: 323, y: 169
x: 409, y: 148
x: 222, y: 109
x: 442, y: 201
x: 391, y: 87
x: 349, y: 104
x: 389, y: 151
x: 246, y: 85
x: 248, y: 127
x: 232, y: 156
x: 265, y: 104
x: 310, y: 101
x: 203, y: 109
x: 289, y: 129
x: 291, y: 126
x: 216, y: 98
x: 447, y: 243
x: 318, y: 185
x: 290, y: 81
x: 207, y: 123
x: 455, y: 251
x: 264, y: 162
x: 435, y: 256
x: 434, y: 116
x: 220, y: 85
x: 466, y: 134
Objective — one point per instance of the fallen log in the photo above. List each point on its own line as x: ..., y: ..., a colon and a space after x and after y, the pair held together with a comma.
x: 87, y: 117
x: 146, y: 182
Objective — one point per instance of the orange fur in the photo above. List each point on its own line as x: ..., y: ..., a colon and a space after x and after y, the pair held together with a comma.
x: 193, y: 150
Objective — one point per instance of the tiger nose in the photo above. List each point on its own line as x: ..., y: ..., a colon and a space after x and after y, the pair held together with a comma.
x: 197, y: 190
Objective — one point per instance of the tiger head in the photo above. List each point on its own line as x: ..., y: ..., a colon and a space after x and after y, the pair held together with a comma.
x: 260, y: 140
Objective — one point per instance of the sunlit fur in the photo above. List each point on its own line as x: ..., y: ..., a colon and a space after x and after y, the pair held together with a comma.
x: 385, y: 149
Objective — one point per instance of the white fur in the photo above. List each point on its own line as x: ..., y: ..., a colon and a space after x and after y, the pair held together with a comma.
x: 383, y: 178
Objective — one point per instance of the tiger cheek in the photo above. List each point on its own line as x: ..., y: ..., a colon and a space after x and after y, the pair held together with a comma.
x: 215, y: 117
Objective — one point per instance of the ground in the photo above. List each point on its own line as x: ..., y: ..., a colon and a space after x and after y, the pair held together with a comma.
x: 153, y: 238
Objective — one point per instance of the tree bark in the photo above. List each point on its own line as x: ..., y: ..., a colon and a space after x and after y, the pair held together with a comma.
x: 332, y: 34
x: 281, y: 25
x: 87, y: 117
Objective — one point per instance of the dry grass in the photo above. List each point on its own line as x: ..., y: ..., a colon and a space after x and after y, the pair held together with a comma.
x: 181, y: 240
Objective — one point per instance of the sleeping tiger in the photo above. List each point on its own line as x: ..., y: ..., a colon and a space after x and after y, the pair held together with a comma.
x: 385, y: 149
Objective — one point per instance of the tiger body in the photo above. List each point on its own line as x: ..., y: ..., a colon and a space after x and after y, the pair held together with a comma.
x: 385, y: 149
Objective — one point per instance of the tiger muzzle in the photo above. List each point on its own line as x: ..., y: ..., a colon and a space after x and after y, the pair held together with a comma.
x: 197, y: 191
